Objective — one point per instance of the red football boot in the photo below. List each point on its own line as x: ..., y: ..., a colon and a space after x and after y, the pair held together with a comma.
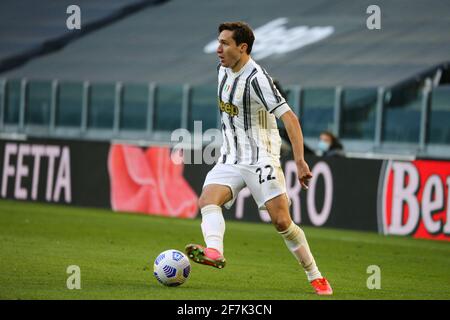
x: 207, y: 256
x: 322, y: 287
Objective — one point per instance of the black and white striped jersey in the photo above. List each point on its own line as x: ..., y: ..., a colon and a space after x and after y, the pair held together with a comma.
x: 248, y: 103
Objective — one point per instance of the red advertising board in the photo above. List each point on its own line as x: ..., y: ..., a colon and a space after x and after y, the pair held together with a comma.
x: 148, y: 181
x: 415, y: 199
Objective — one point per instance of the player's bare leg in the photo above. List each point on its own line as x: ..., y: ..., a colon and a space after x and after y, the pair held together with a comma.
x: 295, y: 240
x: 213, y: 227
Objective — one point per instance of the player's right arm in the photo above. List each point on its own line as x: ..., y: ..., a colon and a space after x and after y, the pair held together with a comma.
x: 294, y: 131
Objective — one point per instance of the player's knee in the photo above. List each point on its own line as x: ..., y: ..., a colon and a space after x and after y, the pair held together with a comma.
x: 281, y: 223
x: 204, y: 201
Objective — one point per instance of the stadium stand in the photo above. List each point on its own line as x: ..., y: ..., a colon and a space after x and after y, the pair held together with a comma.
x: 147, y: 47
x: 148, y: 71
x: 29, y: 29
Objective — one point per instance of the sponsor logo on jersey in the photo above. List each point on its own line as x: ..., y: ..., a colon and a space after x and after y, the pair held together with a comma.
x: 229, y: 108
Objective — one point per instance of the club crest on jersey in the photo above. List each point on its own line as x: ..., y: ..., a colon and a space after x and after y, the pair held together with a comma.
x: 239, y: 92
x: 229, y: 108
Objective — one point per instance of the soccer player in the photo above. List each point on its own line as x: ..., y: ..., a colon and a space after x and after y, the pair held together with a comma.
x: 248, y: 103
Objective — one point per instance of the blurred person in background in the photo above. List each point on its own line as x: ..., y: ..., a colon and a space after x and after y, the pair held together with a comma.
x: 329, y: 145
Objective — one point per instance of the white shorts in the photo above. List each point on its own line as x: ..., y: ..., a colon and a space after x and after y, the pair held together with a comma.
x: 265, y: 181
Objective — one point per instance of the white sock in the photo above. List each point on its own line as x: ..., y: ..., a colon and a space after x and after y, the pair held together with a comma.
x: 295, y: 240
x: 213, y: 227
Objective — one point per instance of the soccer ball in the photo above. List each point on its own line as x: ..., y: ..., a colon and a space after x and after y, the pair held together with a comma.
x: 171, y: 268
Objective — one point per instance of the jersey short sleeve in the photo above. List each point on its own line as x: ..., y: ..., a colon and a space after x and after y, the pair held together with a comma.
x: 264, y: 91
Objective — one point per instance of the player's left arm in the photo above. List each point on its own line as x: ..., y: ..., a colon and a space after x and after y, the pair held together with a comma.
x: 295, y: 134
x: 266, y: 94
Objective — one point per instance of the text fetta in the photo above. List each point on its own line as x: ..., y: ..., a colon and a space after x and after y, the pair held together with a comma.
x: 36, y: 172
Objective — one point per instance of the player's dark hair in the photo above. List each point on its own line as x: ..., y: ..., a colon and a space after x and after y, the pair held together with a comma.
x: 242, y: 33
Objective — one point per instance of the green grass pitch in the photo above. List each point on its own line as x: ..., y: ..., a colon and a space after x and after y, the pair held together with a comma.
x: 115, y: 252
